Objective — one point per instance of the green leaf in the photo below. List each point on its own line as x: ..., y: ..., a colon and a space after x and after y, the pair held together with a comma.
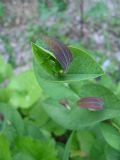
x: 53, y: 127
x: 33, y: 130
x: 66, y: 154
x: 13, y: 124
x: 82, y: 67
x: 97, y: 151
x: 60, y: 150
x: 77, y: 118
x: 107, y: 81
x: 38, y: 115
x: 5, y: 70
x: 116, y: 121
x: 4, y: 95
x: 4, y: 148
x: 39, y: 150
x: 118, y: 89
x: 111, y: 135
x: 86, y: 140
x: 25, y: 90
x: 46, y: 62
x: 23, y: 156
x: 112, y: 153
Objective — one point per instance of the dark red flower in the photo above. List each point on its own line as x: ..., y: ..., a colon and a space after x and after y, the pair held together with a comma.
x: 61, y: 52
x: 92, y: 103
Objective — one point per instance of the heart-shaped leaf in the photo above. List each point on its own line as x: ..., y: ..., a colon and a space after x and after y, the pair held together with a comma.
x: 82, y: 67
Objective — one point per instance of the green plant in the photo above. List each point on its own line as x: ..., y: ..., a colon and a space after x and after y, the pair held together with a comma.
x: 43, y: 120
x: 74, y: 84
x: 5, y: 70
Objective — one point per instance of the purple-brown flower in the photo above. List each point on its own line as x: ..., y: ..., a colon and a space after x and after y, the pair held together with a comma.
x: 61, y: 52
x: 92, y: 103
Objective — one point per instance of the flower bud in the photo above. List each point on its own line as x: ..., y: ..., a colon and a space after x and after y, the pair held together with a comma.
x: 91, y: 103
